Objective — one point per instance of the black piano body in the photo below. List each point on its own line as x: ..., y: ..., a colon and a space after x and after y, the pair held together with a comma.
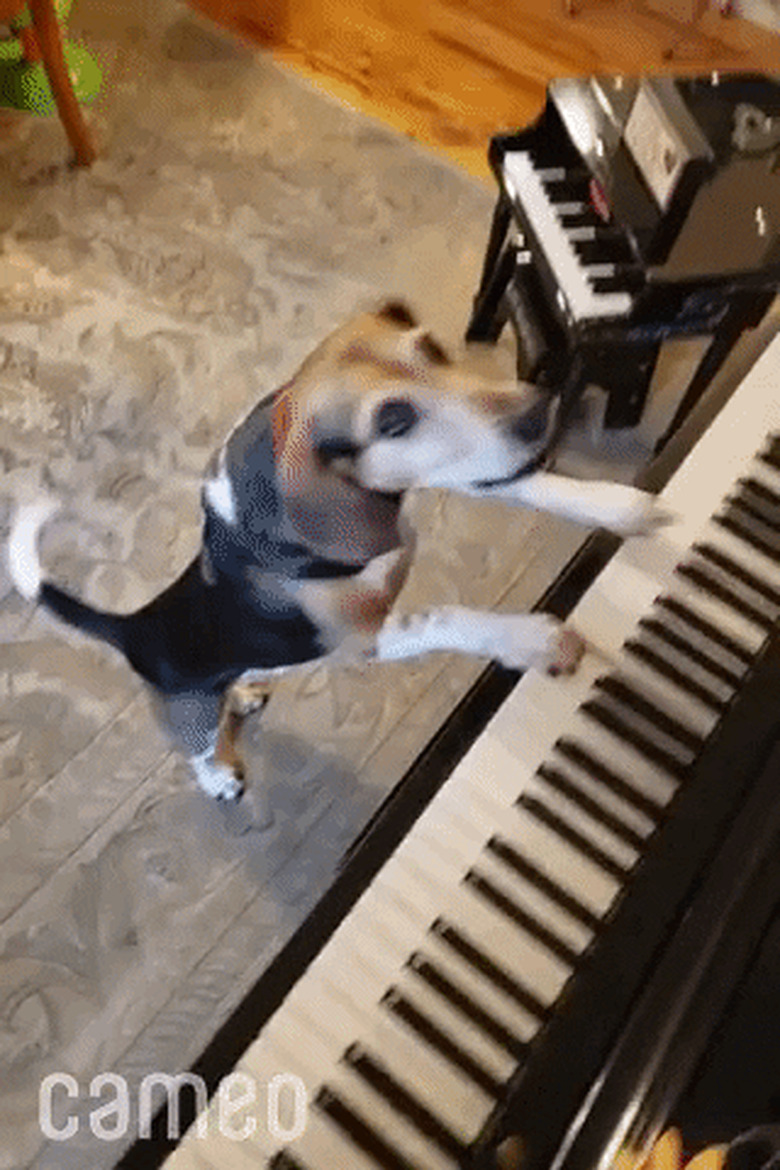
x: 630, y: 212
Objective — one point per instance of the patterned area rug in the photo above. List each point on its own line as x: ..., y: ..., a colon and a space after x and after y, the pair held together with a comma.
x: 233, y: 218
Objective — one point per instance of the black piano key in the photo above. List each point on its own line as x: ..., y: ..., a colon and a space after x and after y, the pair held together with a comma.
x: 763, y: 519
x: 745, y: 527
x: 537, y: 809
x: 576, y: 214
x: 760, y: 499
x: 709, y: 582
x: 509, y: 855
x: 656, y: 662
x: 602, y: 249
x: 485, y: 888
x: 637, y: 724
x: 759, y: 493
x: 374, y: 1073
x: 750, y: 527
x: 738, y: 572
x: 572, y: 186
x: 285, y: 1161
x: 607, y: 718
x: 626, y: 694
x: 771, y: 453
x: 624, y: 279
x: 594, y: 808
x: 427, y: 970
x: 585, y: 759
x: 435, y: 1037
x: 360, y: 1131
x: 492, y: 971
x: 698, y: 656
x: 702, y: 626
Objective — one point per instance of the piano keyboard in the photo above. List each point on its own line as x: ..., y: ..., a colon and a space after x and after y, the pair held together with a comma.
x: 409, y: 1024
x: 577, y: 250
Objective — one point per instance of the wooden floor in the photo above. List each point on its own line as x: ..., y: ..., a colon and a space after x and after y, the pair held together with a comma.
x: 451, y: 73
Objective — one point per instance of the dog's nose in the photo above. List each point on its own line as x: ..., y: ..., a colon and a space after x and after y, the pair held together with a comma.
x: 531, y: 426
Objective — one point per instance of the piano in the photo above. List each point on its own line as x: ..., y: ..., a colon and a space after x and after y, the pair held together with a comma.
x: 549, y: 949
x: 633, y: 211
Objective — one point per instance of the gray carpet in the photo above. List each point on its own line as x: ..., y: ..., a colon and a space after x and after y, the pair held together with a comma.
x: 233, y: 218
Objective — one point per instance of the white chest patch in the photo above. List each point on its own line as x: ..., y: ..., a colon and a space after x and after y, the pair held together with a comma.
x: 219, y: 493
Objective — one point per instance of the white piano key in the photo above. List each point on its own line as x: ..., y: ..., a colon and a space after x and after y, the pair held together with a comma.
x: 594, y: 831
x: 745, y: 554
x: 415, y: 1146
x: 194, y: 1154
x: 462, y: 1104
x: 633, y: 817
x: 628, y: 586
x: 551, y: 853
x: 595, y: 888
x: 516, y: 1020
x: 543, y: 972
x: 222, y: 1150
x: 383, y: 932
x: 496, y: 1061
x: 317, y: 1060
x: 694, y: 673
x: 324, y: 1145
x: 648, y: 778
x: 766, y: 474
x: 375, y: 971
x: 667, y: 696
x: 190, y: 1156
x: 722, y: 657
x: 720, y: 615
x: 571, y: 931
x: 522, y: 181
x: 442, y: 1088
x: 530, y: 719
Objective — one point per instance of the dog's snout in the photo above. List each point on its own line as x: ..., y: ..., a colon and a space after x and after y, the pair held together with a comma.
x: 531, y: 425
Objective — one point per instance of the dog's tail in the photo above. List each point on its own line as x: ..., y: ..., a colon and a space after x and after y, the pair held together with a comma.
x: 25, y: 569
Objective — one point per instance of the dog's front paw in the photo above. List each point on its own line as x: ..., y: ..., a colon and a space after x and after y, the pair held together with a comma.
x: 637, y: 513
x: 541, y: 642
x: 566, y: 651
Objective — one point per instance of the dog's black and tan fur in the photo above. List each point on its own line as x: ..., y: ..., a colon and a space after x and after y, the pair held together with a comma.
x: 304, y: 546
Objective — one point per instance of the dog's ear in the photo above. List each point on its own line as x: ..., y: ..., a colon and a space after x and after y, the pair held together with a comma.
x: 333, y: 514
x: 398, y: 313
x: 422, y: 345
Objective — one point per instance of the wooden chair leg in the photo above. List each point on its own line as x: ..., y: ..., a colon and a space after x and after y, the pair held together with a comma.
x: 47, y: 30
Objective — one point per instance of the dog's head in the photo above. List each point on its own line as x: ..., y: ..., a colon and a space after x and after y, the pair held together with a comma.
x: 383, y: 404
x: 380, y: 408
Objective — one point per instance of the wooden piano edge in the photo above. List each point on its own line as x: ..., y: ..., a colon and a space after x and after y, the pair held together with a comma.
x: 386, y: 829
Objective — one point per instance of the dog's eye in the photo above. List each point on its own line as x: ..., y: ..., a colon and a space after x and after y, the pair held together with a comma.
x: 395, y: 418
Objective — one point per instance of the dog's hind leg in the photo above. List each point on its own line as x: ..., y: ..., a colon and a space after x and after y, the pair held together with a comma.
x: 193, y: 718
x: 244, y: 698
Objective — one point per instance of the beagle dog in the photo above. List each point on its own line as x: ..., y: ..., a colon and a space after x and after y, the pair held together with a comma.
x: 305, y: 548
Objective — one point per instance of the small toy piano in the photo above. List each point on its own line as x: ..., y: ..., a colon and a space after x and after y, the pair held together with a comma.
x: 634, y: 211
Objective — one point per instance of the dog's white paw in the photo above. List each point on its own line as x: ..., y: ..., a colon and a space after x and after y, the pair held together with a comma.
x: 636, y: 513
x: 217, y: 780
x: 541, y: 642
x: 567, y: 648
